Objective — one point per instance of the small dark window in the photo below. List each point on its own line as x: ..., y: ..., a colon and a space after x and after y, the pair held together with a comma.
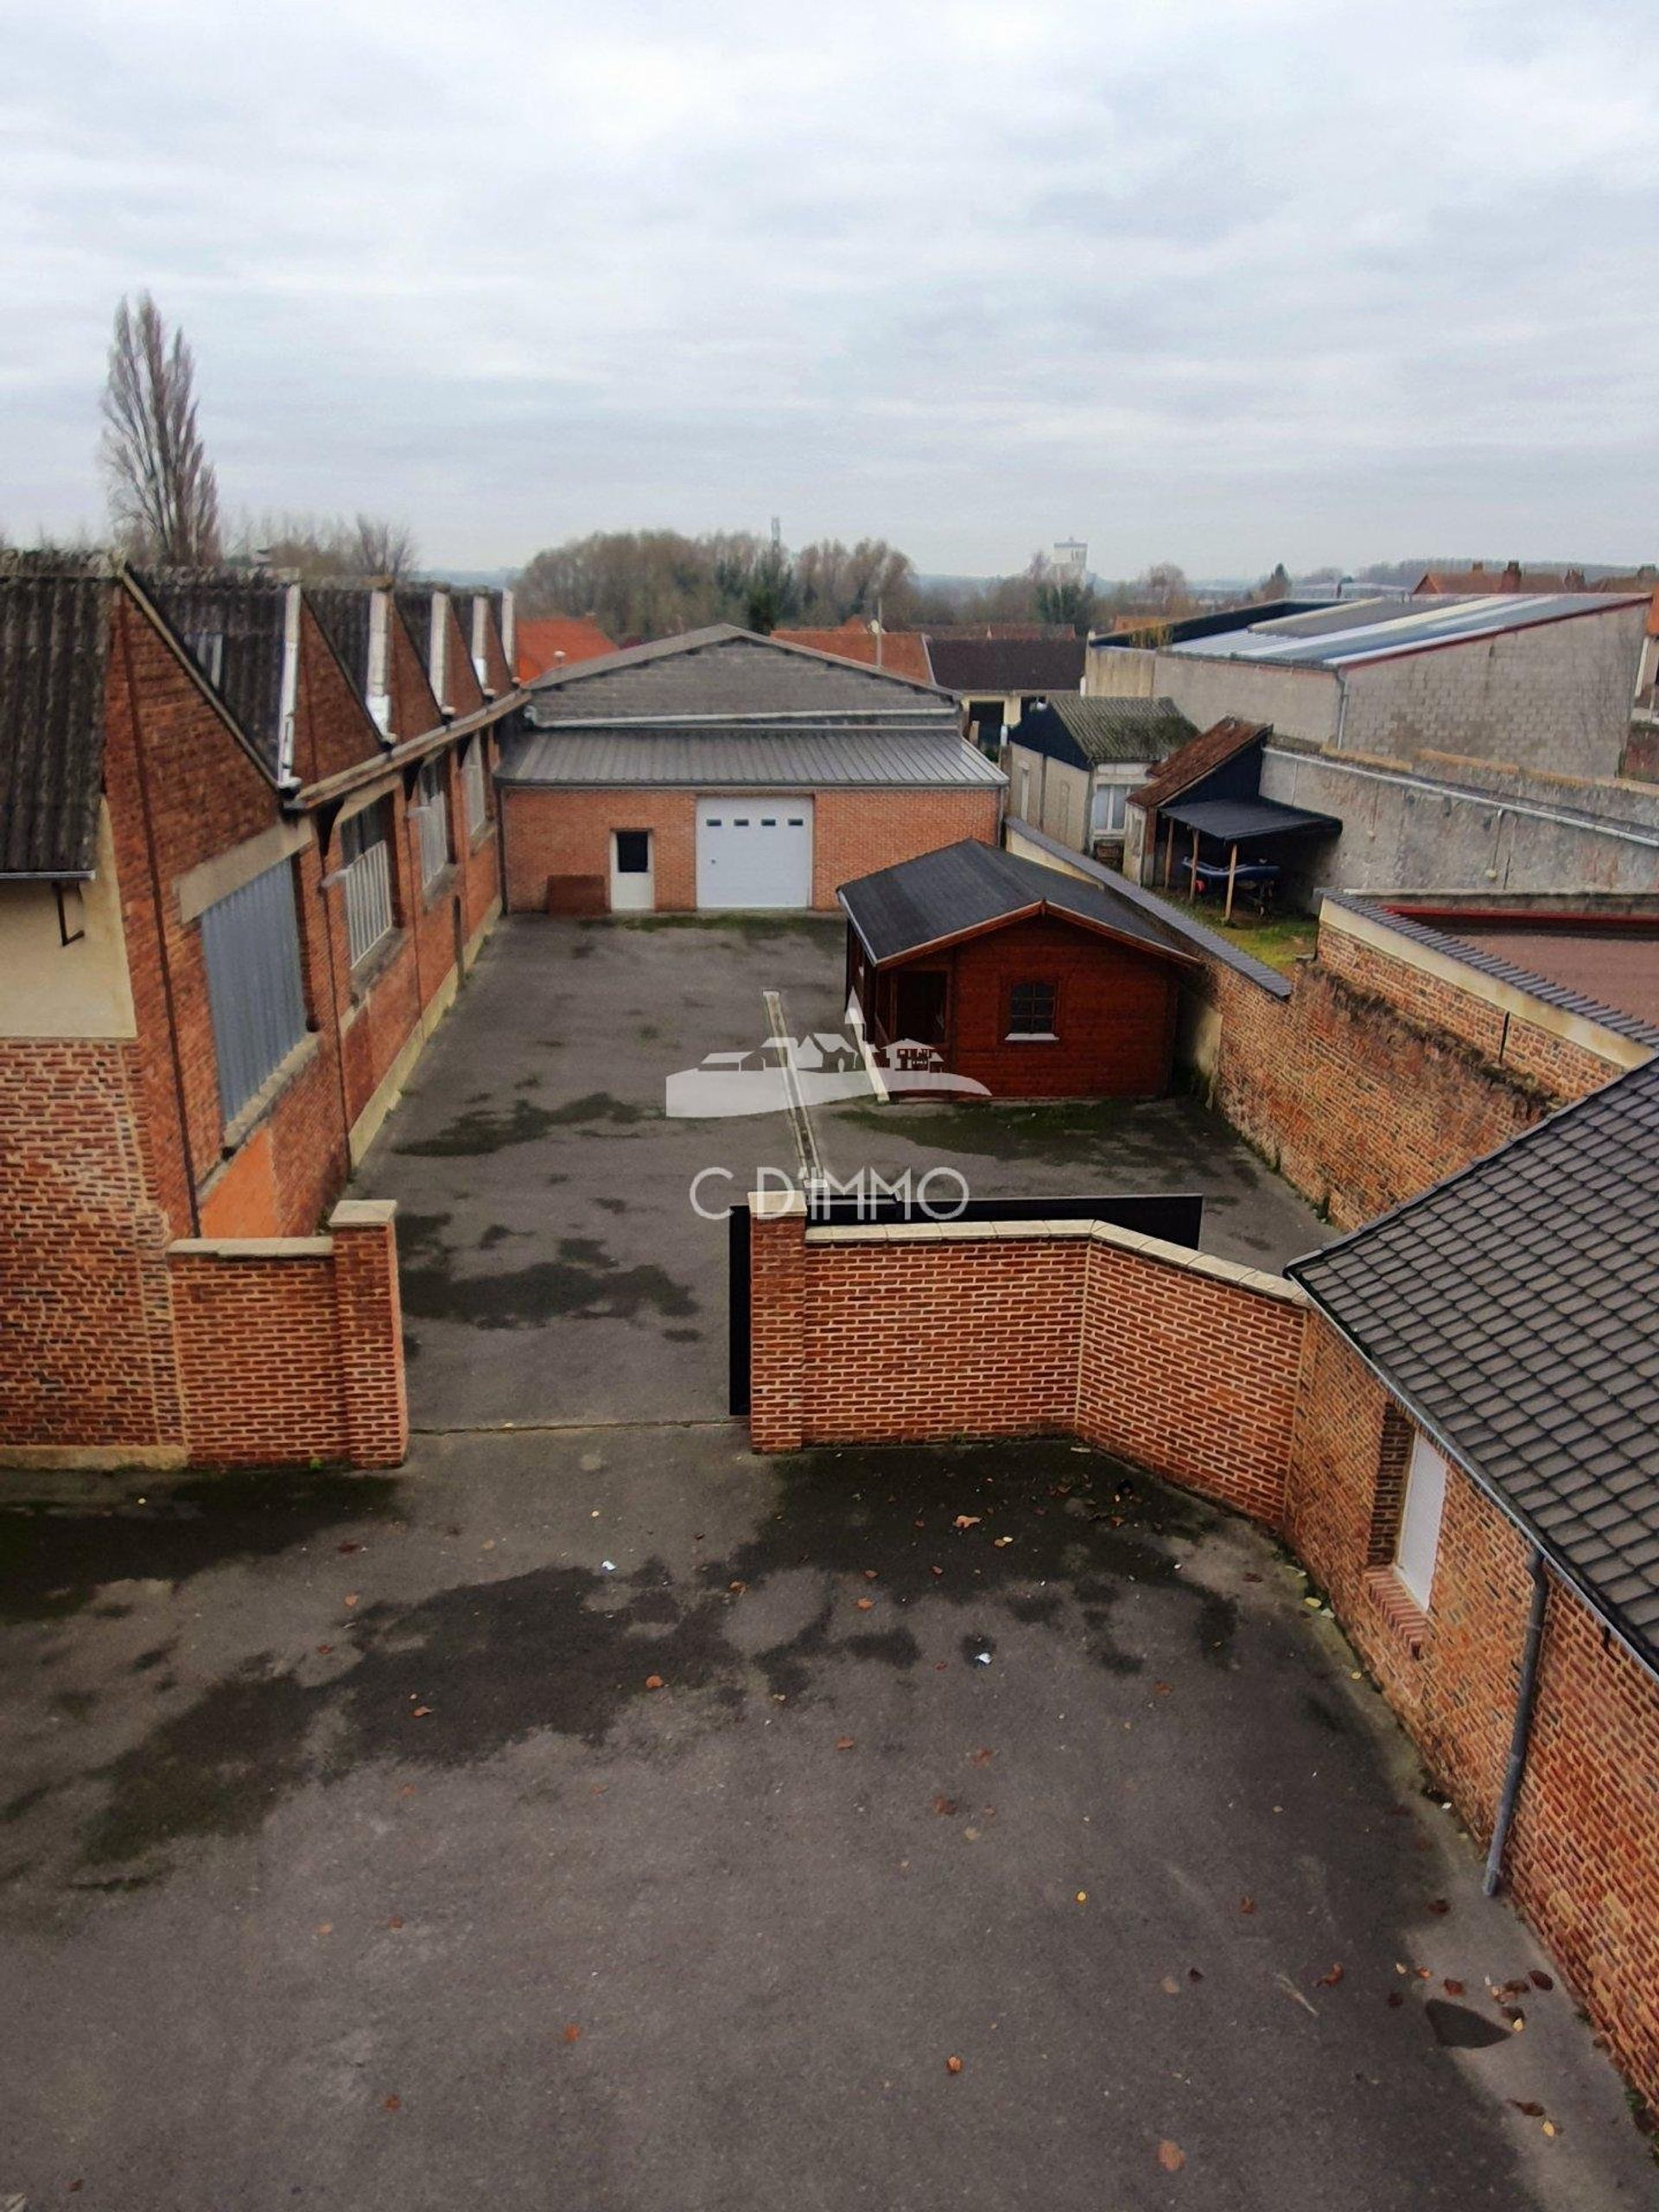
x: 713, y: 823
x: 740, y: 822
x: 633, y: 852
x: 768, y: 821
x: 798, y: 822
x: 1031, y: 1010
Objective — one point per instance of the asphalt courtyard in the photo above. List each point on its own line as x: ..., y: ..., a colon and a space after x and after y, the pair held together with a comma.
x: 553, y: 1266
x: 613, y: 1820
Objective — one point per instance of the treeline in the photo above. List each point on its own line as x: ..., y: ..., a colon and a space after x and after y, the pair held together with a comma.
x: 653, y: 583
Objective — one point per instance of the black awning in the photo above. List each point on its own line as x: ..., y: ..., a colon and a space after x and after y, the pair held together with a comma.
x: 1236, y: 821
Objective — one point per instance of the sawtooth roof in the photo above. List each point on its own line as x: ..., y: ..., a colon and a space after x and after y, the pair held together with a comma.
x: 54, y: 628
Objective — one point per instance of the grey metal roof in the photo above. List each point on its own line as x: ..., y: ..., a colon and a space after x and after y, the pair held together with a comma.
x: 1515, y: 1310
x: 1375, y: 629
x: 967, y: 886
x: 1233, y: 820
x: 1089, y: 732
x: 1494, y: 964
x: 55, y: 627
x: 748, y: 757
x: 343, y: 612
x: 245, y: 612
x: 1006, y: 664
x: 723, y: 672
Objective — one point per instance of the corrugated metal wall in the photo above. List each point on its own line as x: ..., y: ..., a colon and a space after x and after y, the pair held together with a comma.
x: 251, y: 945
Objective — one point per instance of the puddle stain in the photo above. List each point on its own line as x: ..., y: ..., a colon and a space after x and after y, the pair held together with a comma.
x: 488, y: 1129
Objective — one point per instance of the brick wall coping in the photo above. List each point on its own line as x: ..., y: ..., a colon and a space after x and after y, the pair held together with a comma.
x: 1038, y: 1231
x: 1622, y: 1039
x: 1203, y: 940
x: 363, y: 1213
x: 251, y: 1248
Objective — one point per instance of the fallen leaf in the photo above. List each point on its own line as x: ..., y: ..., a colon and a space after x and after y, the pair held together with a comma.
x: 397, y: 1920
x: 1162, y: 1689
x: 872, y: 1575
x: 1438, y: 1905
x: 408, y: 1790
x: 392, y: 2104
x: 1394, y: 1999
x: 953, y: 2065
x: 653, y: 1682
x: 1330, y: 1981
x: 421, y: 1711
x: 350, y: 1547
x: 1540, y: 1979
x: 1193, y: 1975
x: 1550, y: 2128
x: 972, y: 1834
x: 324, y: 1649
x: 947, y: 1808
x: 1171, y: 2157
x: 968, y: 1520
x: 981, y: 1758
x: 1247, y: 1905
x: 1001, y: 1541
x: 737, y: 1588
x: 573, y: 2033
x: 351, y: 1597
x: 844, y: 1742
x: 936, y: 1570
x: 325, y: 1927
x: 1532, y: 2108
x: 1082, y: 1896
x: 1453, y: 1988
x: 864, y: 1603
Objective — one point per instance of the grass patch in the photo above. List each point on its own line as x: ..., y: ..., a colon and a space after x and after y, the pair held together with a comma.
x: 1277, y: 940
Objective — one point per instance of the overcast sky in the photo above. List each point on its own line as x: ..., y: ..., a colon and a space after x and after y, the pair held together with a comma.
x: 1225, y: 284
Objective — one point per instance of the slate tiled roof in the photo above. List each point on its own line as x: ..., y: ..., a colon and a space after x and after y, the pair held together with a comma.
x: 721, y: 673
x: 901, y: 652
x: 551, y: 641
x: 243, y: 611
x: 1089, y: 732
x: 1006, y: 664
x: 748, y: 757
x: 969, y: 887
x: 1515, y: 1310
x: 55, y: 627
x: 1201, y: 758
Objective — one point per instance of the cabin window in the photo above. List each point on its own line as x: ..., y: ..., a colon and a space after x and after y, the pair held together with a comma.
x: 1031, y: 1009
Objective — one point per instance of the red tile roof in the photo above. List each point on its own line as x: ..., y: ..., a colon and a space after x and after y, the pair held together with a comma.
x: 556, y: 641
x: 901, y: 652
x: 1207, y: 751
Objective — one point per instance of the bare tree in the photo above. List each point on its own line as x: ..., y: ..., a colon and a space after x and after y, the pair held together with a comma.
x: 163, y: 493
x: 317, y: 548
x: 385, y: 548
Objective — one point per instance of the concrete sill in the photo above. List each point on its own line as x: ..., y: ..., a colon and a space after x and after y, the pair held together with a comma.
x: 438, y: 889
x: 482, y: 836
x: 238, y: 1132
x: 1032, y: 1037
x: 374, y: 964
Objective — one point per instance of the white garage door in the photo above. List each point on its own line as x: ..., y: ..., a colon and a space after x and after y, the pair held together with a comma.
x: 754, y: 852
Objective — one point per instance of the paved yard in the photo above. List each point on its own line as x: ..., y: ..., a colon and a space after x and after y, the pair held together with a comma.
x: 554, y: 1268
x: 348, y: 1857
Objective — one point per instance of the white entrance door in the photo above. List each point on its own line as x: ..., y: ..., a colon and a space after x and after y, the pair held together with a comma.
x: 754, y: 852
x: 634, y: 876
x: 1420, y: 1522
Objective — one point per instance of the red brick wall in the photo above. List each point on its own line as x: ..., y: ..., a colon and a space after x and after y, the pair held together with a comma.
x: 568, y: 834
x: 873, y: 1340
x: 856, y: 832
x: 332, y: 728
x: 1583, y: 1857
x: 1114, y: 1016
x: 331, y: 1303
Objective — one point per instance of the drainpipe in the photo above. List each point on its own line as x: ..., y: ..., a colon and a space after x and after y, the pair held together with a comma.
x: 1522, y: 1728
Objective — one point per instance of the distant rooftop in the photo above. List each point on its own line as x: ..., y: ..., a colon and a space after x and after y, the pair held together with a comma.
x: 1357, y: 630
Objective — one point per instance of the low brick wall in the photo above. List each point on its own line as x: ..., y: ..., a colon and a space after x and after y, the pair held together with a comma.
x: 1023, y: 1328
x: 290, y: 1349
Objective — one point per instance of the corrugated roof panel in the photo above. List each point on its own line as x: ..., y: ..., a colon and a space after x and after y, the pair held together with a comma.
x: 748, y: 760
x: 1369, y: 629
x: 55, y: 627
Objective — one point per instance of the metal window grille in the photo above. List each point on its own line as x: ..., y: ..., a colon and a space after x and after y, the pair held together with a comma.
x: 432, y: 816
x: 367, y: 884
x: 250, y: 942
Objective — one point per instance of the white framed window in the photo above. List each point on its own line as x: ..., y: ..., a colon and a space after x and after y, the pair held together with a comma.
x: 1109, y: 814
x: 1419, y: 1521
x: 473, y: 789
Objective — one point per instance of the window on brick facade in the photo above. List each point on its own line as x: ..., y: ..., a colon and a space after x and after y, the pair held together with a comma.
x: 432, y: 818
x: 366, y: 879
x: 250, y: 944
x: 475, y: 788
x: 1031, y: 1009
x: 1419, y: 1542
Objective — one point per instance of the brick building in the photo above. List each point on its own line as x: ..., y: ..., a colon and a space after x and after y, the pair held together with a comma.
x: 720, y: 770
x: 248, y: 851
x: 1021, y: 980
